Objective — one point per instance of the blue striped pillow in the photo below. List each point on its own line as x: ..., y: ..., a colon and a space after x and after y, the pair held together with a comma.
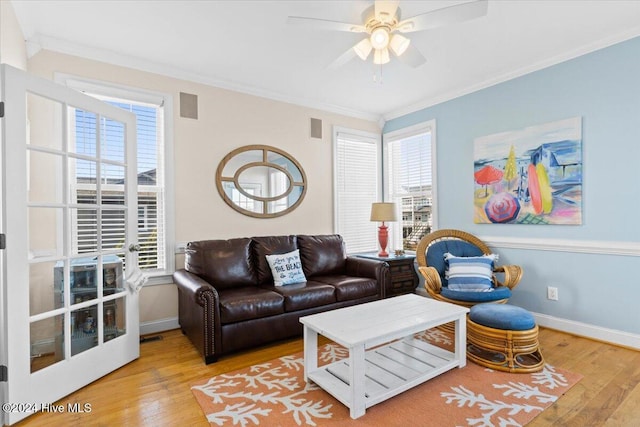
x: 470, y: 273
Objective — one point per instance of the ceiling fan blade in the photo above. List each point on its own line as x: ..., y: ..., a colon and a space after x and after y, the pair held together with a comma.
x: 412, y: 57
x: 385, y: 10
x: 324, y: 24
x: 342, y: 59
x: 444, y: 16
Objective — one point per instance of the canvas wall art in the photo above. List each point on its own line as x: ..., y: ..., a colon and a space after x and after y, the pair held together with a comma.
x: 530, y: 176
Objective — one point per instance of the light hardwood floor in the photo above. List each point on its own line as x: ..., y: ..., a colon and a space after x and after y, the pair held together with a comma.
x: 154, y: 390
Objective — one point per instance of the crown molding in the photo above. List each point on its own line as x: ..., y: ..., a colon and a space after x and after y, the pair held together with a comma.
x: 40, y: 41
x: 591, y: 47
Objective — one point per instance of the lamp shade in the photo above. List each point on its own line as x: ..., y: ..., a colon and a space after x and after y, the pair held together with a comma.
x: 399, y: 44
x: 363, y: 49
x: 381, y: 56
x: 381, y: 212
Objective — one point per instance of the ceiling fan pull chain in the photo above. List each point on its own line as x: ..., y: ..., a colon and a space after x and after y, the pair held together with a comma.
x: 377, y: 74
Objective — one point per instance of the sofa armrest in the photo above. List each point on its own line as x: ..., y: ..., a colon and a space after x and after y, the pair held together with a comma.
x: 199, y: 313
x: 373, y: 269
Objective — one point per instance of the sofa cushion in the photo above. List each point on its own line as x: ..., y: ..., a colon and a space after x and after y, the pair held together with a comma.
x: 494, y: 294
x: 223, y: 263
x: 322, y: 255
x: 248, y: 302
x: 270, y: 245
x: 349, y: 287
x: 305, y: 295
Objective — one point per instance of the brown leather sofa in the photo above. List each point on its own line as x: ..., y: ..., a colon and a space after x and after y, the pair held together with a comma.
x: 227, y: 300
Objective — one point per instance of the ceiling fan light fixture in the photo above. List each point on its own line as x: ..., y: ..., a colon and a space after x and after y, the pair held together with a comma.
x: 380, y: 38
x: 363, y: 48
x: 381, y: 56
x: 399, y: 44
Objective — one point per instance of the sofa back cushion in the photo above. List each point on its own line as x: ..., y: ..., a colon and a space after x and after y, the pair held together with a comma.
x: 324, y: 254
x: 270, y: 245
x: 223, y: 263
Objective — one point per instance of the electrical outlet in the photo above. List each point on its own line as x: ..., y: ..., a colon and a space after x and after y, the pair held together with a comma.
x: 552, y: 293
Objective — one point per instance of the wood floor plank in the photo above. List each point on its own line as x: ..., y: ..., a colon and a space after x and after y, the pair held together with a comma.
x: 155, y: 389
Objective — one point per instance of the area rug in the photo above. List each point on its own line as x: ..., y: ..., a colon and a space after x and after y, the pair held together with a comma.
x: 275, y: 394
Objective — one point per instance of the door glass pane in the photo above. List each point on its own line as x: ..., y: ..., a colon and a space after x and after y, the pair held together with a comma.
x: 112, y: 278
x: 46, y: 133
x: 112, y: 142
x: 83, y: 279
x: 46, y: 290
x: 113, y: 181
x: 113, y: 228
x: 44, y: 177
x: 123, y: 258
x: 84, y: 335
x: 83, y: 173
x: 114, y: 319
x: 84, y: 137
x: 47, y: 342
x: 85, y: 227
x: 45, y: 232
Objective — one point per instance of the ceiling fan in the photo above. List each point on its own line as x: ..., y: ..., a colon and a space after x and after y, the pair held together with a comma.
x: 384, y: 29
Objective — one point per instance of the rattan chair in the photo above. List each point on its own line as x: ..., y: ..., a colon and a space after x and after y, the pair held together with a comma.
x: 431, y: 264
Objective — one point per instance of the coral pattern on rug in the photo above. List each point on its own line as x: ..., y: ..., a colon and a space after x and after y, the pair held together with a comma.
x: 275, y: 394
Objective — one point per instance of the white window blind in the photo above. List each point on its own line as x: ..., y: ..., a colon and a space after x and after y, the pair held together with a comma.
x: 409, y: 184
x: 356, y: 185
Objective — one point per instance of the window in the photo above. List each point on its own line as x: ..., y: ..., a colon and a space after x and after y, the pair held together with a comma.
x: 155, y: 195
x: 356, y: 186
x: 409, y: 175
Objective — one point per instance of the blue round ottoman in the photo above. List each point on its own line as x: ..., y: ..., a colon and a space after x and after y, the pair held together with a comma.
x: 503, y: 337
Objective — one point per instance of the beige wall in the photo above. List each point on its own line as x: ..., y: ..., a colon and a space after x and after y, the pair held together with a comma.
x: 13, y: 50
x: 226, y: 120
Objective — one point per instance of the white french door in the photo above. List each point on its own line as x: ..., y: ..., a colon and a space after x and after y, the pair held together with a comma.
x: 69, y: 213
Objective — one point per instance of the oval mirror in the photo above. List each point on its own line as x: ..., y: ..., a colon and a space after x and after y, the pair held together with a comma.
x: 261, y: 181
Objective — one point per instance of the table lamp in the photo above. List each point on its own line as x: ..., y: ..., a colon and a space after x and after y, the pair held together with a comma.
x: 382, y: 212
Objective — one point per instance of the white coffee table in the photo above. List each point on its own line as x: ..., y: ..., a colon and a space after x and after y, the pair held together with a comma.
x: 371, y: 375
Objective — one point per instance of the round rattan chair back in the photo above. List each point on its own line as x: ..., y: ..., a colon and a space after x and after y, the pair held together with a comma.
x: 446, y: 234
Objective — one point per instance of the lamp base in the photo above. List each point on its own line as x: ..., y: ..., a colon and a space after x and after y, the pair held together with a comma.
x: 383, y: 239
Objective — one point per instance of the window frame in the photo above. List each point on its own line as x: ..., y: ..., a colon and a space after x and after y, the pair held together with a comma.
x: 164, y: 100
x: 400, y: 134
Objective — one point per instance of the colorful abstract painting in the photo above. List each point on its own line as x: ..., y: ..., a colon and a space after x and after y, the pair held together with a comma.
x: 530, y: 176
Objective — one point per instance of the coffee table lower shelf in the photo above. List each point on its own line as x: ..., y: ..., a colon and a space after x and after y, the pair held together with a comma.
x: 389, y: 370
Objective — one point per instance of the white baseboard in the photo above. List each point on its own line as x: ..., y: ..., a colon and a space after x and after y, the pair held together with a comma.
x: 613, y: 336
x: 160, y: 325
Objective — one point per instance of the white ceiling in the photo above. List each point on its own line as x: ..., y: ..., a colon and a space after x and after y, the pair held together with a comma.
x: 248, y: 46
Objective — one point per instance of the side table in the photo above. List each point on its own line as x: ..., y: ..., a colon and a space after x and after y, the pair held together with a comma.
x: 404, y: 278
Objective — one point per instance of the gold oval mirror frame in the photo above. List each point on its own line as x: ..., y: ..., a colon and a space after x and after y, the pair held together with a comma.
x: 261, y: 181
